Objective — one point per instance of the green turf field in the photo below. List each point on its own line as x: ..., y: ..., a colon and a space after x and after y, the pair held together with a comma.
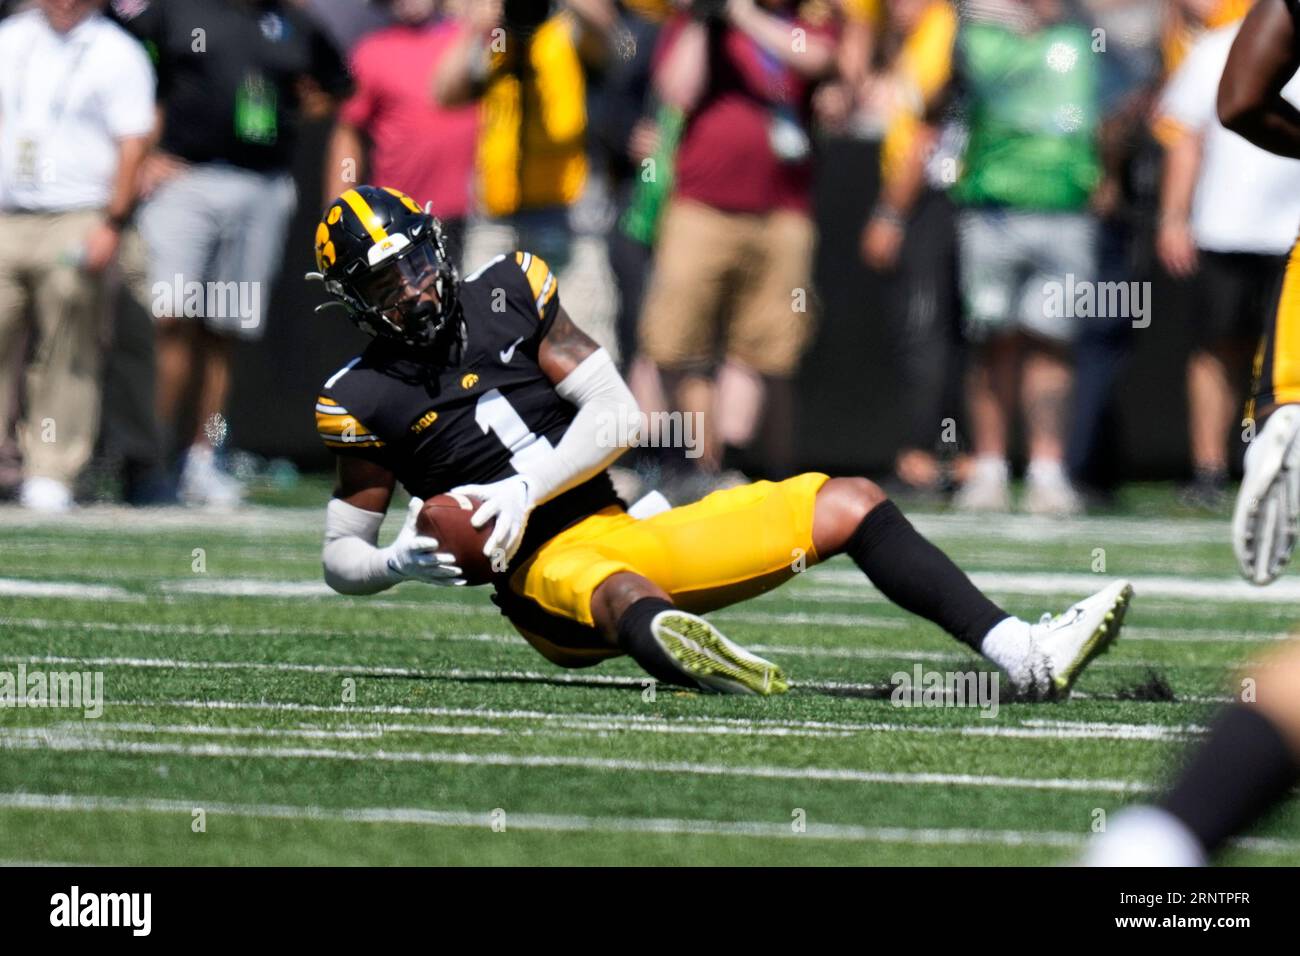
x: 299, y: 727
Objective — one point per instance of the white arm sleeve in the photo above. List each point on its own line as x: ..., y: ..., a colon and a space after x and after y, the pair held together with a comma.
x: 353, y: 564
x: 607, y: 424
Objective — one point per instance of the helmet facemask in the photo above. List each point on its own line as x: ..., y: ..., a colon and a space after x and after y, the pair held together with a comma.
x: 408, y: 293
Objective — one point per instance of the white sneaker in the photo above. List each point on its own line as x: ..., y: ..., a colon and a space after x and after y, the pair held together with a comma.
x: 987, y: 489
x: 203, y: 483
x: 1062, y: 646
x: 46, y: 494
x: 1144, y: 836
x: 1264, y: 521
x: 1048, y: 492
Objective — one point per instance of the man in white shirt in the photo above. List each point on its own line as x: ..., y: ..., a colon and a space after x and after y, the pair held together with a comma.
x: 1228, y: 215
x: 76, y: 116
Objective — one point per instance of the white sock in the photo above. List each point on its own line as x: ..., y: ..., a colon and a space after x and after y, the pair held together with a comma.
x: 1145, y: 836
x: 1046, y: 471
x: 1008, y: 644
x: 993, y: 467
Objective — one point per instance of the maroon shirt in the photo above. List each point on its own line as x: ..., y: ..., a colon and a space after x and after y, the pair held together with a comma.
x: 416, y: 146
x: 726, y: 159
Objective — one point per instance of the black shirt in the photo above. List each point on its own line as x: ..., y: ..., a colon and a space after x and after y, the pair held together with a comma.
x: 473, y: 421
x: 228, y: 72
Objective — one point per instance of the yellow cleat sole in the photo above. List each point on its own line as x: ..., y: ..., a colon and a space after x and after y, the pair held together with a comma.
x: 1099, y: 643
x: 713, y: 661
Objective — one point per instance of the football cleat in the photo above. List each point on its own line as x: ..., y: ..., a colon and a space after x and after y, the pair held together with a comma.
x: 712, y: 661
x: 1264, y: 522
x: 1064, y: 645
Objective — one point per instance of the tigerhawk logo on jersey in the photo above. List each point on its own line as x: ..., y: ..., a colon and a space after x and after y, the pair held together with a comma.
x: 469, y: 381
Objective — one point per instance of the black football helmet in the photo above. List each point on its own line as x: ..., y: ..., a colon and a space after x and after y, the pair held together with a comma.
x: 383, y: 258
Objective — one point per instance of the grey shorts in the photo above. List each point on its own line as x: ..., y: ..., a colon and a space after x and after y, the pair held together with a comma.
x: 214, y: 237
x: 1014, y: 267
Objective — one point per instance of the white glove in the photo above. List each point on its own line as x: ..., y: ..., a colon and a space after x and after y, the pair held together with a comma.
x: 509, y: 501
x: 1266, y: 520
x: 415, y: 557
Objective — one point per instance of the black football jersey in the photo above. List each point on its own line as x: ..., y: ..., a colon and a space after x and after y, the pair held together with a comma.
x: 477, y: 420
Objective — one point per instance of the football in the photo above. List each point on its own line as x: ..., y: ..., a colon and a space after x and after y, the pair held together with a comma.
x: 446, y: 517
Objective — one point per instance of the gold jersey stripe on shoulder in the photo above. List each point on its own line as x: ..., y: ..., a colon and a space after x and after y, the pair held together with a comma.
x: 540, y: 279
x: 340, y: 443
x: 357, y: 203
x: 344, y: 426
x: 322, y: 400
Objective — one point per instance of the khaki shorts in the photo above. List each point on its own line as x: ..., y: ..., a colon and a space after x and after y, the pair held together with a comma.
x: 730, y: 284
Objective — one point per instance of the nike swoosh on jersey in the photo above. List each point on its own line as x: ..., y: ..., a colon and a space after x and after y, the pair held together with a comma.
x: 508, y: 353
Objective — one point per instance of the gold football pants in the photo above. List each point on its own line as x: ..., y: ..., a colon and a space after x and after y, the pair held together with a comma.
x: 728, y: 546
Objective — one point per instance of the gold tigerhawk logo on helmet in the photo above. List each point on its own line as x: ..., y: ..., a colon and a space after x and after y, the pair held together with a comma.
x: 407, y: 201
x: 325, y: 254
x: 469, y: 380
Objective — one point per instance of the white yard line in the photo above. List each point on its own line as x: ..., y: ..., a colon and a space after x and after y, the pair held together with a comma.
x: 37, y: 739
x: 455, y: 673
x: 561, y: 725
x: 844, y: 585
x: 544, y: 822
x: 1103, y: 730
x: 145, y: 522
x: 17, y: 587
x: 419, y: 816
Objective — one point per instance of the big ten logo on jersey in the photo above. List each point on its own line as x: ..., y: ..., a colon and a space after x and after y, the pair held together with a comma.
x: 427, y: 419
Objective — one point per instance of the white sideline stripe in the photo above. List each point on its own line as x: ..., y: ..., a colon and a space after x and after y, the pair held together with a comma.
x: 546, y: 822
x: 39, y: 739
x: 17, y: 587
x: 457, y: 673
x: 1054, y: 730
x: 1131, y: 633
x: 311, y: 520
x: 358, y: 670
x: 931, y: 836
x: 1286, y: 590
x: 837, y: 584
x: 638, y: 721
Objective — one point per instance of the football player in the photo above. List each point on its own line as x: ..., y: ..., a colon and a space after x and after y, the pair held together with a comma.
x: 1251, y: 759
x: 1264, y: 56
x: 483, y: 386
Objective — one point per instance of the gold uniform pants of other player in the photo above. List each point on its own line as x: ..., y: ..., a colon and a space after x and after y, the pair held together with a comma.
x: 1277, y: 363
x: 727, y: 547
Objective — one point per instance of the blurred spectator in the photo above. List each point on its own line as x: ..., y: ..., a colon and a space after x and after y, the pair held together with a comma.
x: 76, y: 97
x: 348, y: 22
x: 220, y: 195
x: 525, y: 66
x: 1129, y: 73
x: 391, y: 132
x: 1233, y: 240
x: 626, y: 132
x: 730, y: 295
x: 1186, y: 20
x: 910, y: 230
x: 1027, y: 78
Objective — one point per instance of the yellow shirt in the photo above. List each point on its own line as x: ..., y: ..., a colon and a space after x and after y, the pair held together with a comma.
x: 531, y: 143
x: 1181, y: 33
x: 920, y: 72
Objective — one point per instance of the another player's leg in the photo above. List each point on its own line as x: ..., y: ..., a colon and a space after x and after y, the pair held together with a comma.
x: 1249, y: 762
x: 854, y: 517
x: 1264, y: 522
x: 673, y: 645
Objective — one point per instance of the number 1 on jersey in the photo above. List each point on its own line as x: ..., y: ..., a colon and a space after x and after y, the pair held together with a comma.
x: 495, y: 414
